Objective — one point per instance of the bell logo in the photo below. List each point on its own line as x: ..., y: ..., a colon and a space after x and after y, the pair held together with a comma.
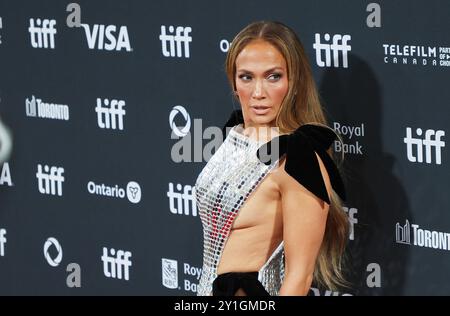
x: 54, y: 262
x: 403, y: 233
x: 169, y: 273
x: 175, y: 129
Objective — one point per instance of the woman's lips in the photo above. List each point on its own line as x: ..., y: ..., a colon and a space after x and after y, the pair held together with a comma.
x: 260, y: 109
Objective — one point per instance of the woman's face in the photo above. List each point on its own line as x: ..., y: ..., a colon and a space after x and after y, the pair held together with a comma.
x: 261, y: 83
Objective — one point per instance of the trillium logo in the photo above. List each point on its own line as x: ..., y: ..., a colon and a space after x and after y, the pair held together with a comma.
x: 133, y: 192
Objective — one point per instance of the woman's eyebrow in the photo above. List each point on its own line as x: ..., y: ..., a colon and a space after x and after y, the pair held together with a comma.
x: 267, y: 71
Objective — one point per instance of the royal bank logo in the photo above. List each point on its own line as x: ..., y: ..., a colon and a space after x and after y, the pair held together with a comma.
x: 329, y: 54
x: 353, y: 134
x: 42, y: 33
x: 175, y: 41
x: 412, y: 234
x: 416, y: 55
x: 424, y: 145
x: 35, y: 107
x: 169, y: 273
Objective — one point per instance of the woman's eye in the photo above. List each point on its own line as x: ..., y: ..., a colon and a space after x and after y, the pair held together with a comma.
x: 244, y: 77
x: 275, y: 77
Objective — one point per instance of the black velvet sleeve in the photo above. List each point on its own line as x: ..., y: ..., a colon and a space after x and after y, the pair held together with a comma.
x: 235, y: 118
x: 301, y: 162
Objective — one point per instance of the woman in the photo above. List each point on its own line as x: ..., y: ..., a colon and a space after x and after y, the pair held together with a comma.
x: 271, y: 227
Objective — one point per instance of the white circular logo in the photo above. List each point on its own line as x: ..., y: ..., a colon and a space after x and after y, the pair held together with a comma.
x: 179, y: 109
x: 224, y: 45
x: 134, y: 192
x: 53, y: 262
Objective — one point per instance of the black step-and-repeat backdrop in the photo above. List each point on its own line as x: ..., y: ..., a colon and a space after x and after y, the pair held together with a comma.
x: 109, y: 105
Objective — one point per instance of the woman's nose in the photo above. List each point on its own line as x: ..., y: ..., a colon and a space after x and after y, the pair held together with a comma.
x: 258, y: 90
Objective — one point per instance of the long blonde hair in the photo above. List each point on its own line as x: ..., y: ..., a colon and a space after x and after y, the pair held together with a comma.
x: 300, y: 106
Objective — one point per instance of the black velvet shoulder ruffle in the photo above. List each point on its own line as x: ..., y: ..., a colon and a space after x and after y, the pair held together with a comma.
x: 301, y: 161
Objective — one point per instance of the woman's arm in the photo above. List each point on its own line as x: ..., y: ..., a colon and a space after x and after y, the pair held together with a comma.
x: 304, y: 220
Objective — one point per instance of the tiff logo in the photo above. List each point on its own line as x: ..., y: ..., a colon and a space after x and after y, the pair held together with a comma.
x: 110, y: 113
x: 403, y: 233
x: 432, y: 139
x: 117, y: 264
x: 43, y: 34
x: 181, y: 36
x: 351, y: 212
x: 169, y: 273
x: 2, y: 242
x: 50, y: 180
x: 179, y: 203
x: 339, y: 45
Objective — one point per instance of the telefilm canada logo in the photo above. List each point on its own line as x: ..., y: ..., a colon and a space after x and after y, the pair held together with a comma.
x: 416, y: 55
x: 412, y: 234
